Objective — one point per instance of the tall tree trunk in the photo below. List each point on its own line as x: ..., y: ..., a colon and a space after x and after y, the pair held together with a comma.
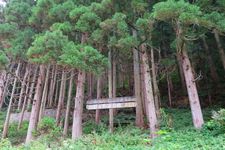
x: 44, y: 95
x: 212, y: 66
x: 150, y: 104
x: 182, y: 79
x: 99, y: 94
x: 6, y: 124
x: 169, y: 88
x: 24, y: 102
x: 155, y: 85
x: 2, y: 80
x: 79, y: 99
x: 220, y: 47
x: 66, y: 123
x: 143, y: 92
x: 192, y: 90
x: 32, y: 88
x: 139, y: 120
x: 110, y: 84
x: 52, y: 86
x: 61, y: 97
x: 5, y: 90
x: 23, y: 87
x: 78, y: 109
x: 90, y: 86
x: 56, y: 92
x: 36, y: 105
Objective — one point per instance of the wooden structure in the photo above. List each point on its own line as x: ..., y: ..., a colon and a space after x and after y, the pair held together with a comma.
x: 110, y: 103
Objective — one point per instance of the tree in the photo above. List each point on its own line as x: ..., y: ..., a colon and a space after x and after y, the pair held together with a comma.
x: 183, y: 15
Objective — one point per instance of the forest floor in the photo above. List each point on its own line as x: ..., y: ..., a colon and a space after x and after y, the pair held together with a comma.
x: 176, y: 133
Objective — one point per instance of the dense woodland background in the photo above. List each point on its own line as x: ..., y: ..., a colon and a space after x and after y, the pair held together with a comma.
x: 58, y: 54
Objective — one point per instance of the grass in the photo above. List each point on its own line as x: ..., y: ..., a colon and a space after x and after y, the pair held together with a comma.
x: 177, y: 133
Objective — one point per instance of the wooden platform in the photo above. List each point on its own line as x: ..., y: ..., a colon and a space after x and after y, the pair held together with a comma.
x: 108, y: 103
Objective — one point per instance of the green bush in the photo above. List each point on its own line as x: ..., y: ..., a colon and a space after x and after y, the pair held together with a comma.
x: 5, y: 144
x: 216, y: 125
x: 48, y: 127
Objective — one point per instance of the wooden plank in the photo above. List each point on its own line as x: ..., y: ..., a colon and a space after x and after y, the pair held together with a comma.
x: 111, y: 105
x: 111, y: 100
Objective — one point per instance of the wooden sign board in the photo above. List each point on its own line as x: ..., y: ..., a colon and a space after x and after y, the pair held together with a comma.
x: 119, y: 102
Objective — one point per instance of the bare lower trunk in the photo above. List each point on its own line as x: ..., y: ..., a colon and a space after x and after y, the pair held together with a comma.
x: 90, y: 86
x: 179, y: 62
x: 169, y: 89
x: 6, y: 124
x: 32, y: 88
x: 139, y: 121
x: 220, y: 47
x: 23, y: 87
x: 155, y: 85
x: 66, y: 123
x: 2, y: 80
x: 36, y: 105
x: 56, y: 93
x: 78, y: 109
x: 99, y: 94
x: 192, y: 90
x: 8, y: 77
x: 61, y: 97
x: 44, y: 95
x: 52, y: 86
x: 143, y: 92
x: 110, y: 80
x: 150, y: 104
x: 79, y: 100
x: 212, y: 66
x: 24, y: 103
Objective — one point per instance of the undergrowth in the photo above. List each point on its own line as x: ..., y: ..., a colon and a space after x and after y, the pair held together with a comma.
x: 176, y: 133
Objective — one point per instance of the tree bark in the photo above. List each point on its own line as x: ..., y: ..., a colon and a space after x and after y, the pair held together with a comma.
x: 23, y: 87
x: 44, y: 95
x: 79, y: 100
x: 150, y: 104
x: 110, y: 80
x: 78, y: 109
x: 8, y: 77
x: 169, y: 88
x: 143, y: 92
x: 182, y: 79
x: 24, y: 102
x: 192, y: 90
x: 220, y: 47
x: 2, y: 80
x: 36, y: 105
x: 61, y: 97
x: 155, y: 85
x: 52, y: 86
x: 212, y: 66
x: 6, y: 124
x: 32, y: 88
x: 99, y: 94
x: 139, y: 120
x: 66, y: 123
x: 90, y: 86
